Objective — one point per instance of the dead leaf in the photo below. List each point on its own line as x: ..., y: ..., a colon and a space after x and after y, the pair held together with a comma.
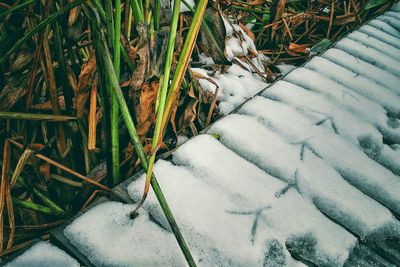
x: 299, y: 49
x: 145, y: 109
x: 86, y: 79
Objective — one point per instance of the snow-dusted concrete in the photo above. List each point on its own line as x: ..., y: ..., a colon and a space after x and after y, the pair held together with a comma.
x: 43, y: 254
x: 305, y: 173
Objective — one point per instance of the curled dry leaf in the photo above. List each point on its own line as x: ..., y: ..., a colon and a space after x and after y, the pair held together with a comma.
x: 145, y: 109
x: 86, y: 79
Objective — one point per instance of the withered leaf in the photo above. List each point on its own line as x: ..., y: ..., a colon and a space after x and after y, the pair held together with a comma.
x: 86, y: 79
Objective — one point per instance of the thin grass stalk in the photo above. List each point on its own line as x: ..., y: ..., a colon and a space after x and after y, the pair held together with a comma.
x: 13, y: 9
x: 36, y: 207
x: 137, y: 9
x: 39, y: 27
x: 4, y: 172
x: 67, y: 89
x: 11, y: 218
x: 124, y: 53
x: 35, y: 117
x: 109, y: 22
x: 62, y: 167
x: 157, y: 15
x: 114, y: 102
x: 104, y: 61
x: 184, y: 59
x: 49, y: 203
x: 162, y: 97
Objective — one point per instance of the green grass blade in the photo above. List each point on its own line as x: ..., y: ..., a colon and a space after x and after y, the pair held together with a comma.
x: 162, y: 96
x: 114, y: 102
x: 13, y: 9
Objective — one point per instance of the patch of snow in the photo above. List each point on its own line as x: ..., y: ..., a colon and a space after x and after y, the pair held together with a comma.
x: 383, y: 26
x: 361, y: 171
x: 310, y: 175
x: 285, y: 68
x: 235, y: 86
x: 395, y: 23
x: 375, y: 43
x: 326, y: 113
x: 380, y: 35
x: 43, y: 254
x: 184, y: 8
x: 370, y: 55
x: 107, y: 236
x: 181, y: 139
x: 361, y: 67
x: 360, y: 84
x: 211, y: 219
x: 259, y: 145
x: 347, y: 99
x: 222, y: 168
x: 207, y: 219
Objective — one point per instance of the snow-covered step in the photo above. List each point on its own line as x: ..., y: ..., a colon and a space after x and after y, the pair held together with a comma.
x: 361, y: 67
x: 369, y: 176
x: 381, y: 44
x: 313, y: 177
x: 358, y: 83
x: 395, y: 23
x: 383, y: 37
x: 107, y: 236
x: 348, y: 99
x: 217, y: 219
x: 383, y: 26
x: 370, y: 55
x: 43, y: 254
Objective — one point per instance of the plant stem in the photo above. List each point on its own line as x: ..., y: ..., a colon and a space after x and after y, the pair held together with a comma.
x: 31, y: 116
x: 36, y: 207
x: 163, y: 94
x: 137, y: 9
x: 114, y: 102
x: 184, y: 59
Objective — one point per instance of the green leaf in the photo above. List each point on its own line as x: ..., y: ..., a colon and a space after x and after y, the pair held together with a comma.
x: 375, y: 3
x: 320, y: 46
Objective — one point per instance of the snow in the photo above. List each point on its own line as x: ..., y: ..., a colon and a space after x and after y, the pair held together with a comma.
x: 361, y: 171
x: 396, y: 7
x: 326, y: 113
x: 243, y: 79
x: 370, y: 55
x: 43, y: 254
x: 375, y: 43
x: 235, y: 85
x: 383, y: 26
x: 349, y: 100
x: 108, y: 237
x: 363, y: 68
x: 183, y: 7
x: 285, y: 68
x: 258, y: 145
x: 231, y: 174
x: 360, y: 84
x: 395, y: 23
x: 314, y: 178
x: 339, y: 199
x: 380, y: 35
x: 210, y: 219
